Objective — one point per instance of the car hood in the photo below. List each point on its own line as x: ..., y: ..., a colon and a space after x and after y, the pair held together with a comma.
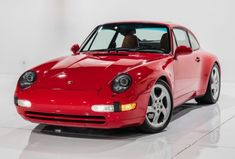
x: 90, y: 71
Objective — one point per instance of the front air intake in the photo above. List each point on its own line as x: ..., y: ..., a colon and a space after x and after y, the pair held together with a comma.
x: 66, y: 118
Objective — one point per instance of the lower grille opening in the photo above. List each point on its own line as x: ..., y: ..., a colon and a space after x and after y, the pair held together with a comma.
x: 66, y: 117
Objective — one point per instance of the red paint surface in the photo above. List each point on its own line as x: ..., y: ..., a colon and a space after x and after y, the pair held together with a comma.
x: 90, y: 79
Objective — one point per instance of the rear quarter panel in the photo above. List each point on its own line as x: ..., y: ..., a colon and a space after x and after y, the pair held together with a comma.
x: 208, y: 60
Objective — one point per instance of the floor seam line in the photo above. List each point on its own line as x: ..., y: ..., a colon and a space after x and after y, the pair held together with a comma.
x: 203, y: 136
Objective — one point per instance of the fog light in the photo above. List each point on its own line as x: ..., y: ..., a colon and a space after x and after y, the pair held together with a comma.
x: 128, y: 107
x: 102, y: 108
x: 24, y: 103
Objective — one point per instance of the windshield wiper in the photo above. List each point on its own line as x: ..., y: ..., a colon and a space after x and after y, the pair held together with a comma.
x: 147, y: 50
x: 135, y: 49
x: 130, y: 50
x: 118, y: 49
x: 111, y: 49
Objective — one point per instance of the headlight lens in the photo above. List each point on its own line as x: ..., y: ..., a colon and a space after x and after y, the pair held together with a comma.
x: 121, y: 83
x: 27, y: 79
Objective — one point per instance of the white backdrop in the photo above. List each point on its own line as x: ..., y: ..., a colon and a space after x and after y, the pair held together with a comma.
x: 33, y: 31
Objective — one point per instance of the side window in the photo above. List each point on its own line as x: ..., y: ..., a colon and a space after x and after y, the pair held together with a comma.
x: 194, y: 43
x: 181, y: 37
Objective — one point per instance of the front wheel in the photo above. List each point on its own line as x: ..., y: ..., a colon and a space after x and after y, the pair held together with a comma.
x: 159, y: 109
x: 213, y: 89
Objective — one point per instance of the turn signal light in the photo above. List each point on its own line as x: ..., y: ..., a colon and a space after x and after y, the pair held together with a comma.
x: 114, y: 108
x: 128, y: 107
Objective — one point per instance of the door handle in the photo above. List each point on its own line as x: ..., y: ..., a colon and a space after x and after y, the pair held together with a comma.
x: 197, y: 59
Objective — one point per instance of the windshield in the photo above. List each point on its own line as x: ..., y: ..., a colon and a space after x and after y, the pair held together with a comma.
x: 129, y: 37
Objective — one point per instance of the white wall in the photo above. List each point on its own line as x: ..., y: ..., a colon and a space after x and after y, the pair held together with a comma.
x: 32, y: 31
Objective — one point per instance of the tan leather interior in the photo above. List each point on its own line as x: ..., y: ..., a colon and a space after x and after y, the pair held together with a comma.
x: 130, y: 41
x: 164, y: 43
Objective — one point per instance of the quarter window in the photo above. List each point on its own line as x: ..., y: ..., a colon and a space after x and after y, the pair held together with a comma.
x: 181, y: 37
x: 194, y: 43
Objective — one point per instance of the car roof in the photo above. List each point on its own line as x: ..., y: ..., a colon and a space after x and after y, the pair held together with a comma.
x: 168, y: 24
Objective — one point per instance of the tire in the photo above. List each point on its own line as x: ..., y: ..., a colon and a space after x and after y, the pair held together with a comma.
x: 213, y: 88
x: 159, y: 109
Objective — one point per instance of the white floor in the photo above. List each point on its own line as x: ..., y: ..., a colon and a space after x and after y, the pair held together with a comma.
x: 195, y: 132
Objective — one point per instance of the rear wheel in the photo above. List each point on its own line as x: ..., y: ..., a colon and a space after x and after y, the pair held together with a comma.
x: 213, y: 88
x: 159, y: 108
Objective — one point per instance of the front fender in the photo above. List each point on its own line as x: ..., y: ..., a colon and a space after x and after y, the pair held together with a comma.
x: 144, y: 77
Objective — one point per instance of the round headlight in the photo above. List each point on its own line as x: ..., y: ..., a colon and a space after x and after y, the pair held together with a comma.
x: 121, y: 83
x: 27, y: 79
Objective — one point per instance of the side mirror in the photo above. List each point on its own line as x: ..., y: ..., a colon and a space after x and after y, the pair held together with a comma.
x: 75, y: 49
x: 183, y: 50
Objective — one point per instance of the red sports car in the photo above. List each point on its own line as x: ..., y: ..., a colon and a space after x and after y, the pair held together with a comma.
x: 124, y: 74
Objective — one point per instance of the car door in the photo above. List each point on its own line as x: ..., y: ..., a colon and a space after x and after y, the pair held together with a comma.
x: 197, y: 53
x: 185, y: 66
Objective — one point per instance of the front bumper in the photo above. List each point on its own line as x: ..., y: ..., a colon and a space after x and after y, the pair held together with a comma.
x: 73, y: 108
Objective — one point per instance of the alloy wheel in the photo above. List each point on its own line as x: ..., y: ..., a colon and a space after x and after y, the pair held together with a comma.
x: 215, y: 83
x: 159, y: 107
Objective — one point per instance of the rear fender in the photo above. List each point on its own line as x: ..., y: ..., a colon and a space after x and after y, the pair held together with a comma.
x: 207, y: 63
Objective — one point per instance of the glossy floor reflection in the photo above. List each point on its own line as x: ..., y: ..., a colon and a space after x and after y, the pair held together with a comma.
x: 196, y: 131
